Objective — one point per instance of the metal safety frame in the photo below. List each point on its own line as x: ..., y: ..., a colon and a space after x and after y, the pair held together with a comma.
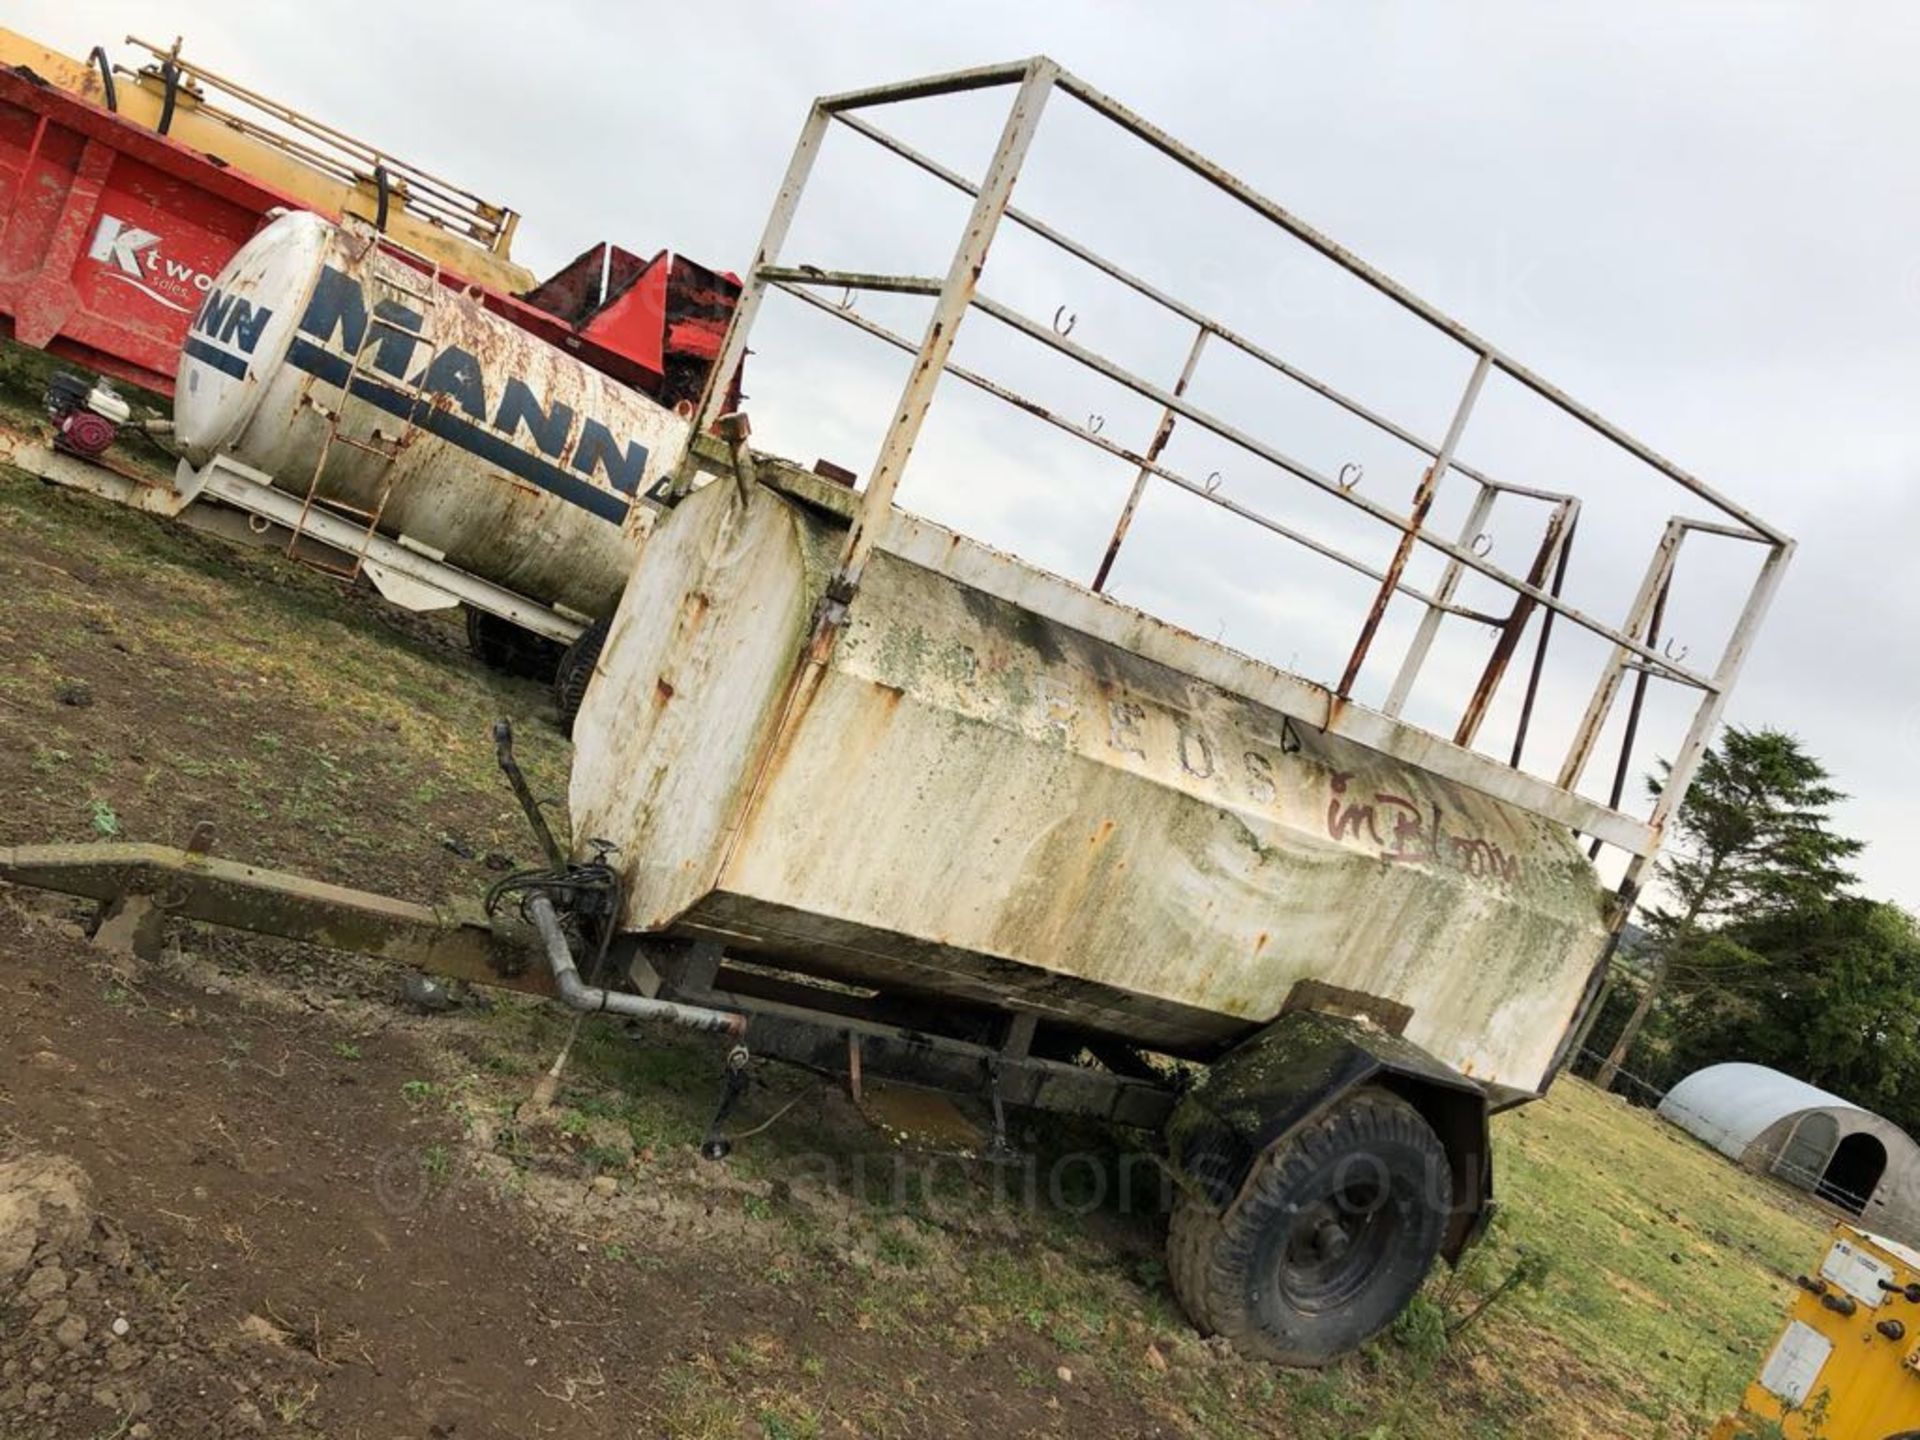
x: 1634, y: 640
x: 332, y: 151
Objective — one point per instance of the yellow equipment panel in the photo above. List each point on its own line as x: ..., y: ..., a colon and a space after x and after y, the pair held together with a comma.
x: 1847, y: 1365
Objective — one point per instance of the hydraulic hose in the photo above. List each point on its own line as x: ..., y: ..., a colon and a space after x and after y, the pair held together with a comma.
x: 98, y: 56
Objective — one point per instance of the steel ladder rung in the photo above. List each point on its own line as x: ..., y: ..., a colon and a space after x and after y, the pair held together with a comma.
x: 341, y: 507
x: 388, y: 451
x: 343, y: 572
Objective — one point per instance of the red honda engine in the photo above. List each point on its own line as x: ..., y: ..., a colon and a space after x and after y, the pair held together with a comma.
x: 87, y: 414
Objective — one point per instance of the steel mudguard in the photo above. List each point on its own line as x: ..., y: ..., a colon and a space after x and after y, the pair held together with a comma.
x: 1262, y: 1091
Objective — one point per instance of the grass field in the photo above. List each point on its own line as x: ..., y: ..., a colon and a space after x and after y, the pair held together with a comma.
x: 150, y: 678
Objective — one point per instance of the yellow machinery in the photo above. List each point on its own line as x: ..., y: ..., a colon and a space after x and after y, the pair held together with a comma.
x: 1847, y: 1365
x: 323, y: 168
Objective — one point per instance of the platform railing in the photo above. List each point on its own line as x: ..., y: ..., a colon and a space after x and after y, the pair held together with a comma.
x: 1635, y: 645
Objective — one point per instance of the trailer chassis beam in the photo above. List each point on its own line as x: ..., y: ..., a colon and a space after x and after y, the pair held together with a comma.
x: 822, y: 1039
x: 139, y: 884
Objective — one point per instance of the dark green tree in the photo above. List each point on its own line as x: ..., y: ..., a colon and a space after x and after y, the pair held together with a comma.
x: 1836, y: 1002
x: 1750, y: 841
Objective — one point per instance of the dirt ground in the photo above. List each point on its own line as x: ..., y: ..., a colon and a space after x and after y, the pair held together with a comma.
x: 245, y: 1192
x: 247, y: 1186
x: 251, y: 1189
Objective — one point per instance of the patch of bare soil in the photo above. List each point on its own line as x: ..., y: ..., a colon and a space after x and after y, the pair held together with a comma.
x: 155, y: 678
x: 221, y: 1215
x: 247, y: 1191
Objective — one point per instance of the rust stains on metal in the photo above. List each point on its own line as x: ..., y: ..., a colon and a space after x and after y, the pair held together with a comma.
x: 1510, y: 632
x: 1096, y: 835
x: 413, y: 365
x: 1422, y: 503
x: 742, y: 584
x: 1538, y: 667
x: 1162, y: 434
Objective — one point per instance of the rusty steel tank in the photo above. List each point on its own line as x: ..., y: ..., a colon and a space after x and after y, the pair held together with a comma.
x: 1001, y: 788
x: 351, y: 373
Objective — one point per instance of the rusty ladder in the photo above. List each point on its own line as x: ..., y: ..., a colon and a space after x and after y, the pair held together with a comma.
x: 388, y: 450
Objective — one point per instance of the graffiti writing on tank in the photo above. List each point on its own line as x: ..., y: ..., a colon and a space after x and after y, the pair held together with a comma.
x: 1401, y: 831
x: 1156, y: 735
x: 1203, y: 754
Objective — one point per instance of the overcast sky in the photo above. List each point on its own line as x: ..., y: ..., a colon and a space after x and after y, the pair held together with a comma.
x: 1699, y: 219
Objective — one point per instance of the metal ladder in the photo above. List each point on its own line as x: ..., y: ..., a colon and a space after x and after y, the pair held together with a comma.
x: 426, y: 346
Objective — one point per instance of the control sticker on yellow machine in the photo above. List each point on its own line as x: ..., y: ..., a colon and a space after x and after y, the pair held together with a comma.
x: 1857, y: 1272
x: 1795, y: 1363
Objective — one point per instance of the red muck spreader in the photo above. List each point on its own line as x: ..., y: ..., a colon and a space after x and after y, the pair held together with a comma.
x: 123, y: 193
x: 111, y: 235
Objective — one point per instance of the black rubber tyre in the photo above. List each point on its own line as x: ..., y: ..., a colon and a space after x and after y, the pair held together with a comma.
x: 502, y: 645
x: 576, y: 669
x: 1330, y: 1239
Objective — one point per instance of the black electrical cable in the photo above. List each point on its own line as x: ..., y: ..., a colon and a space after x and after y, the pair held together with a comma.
x: 585, y: 893
x: 99, y: 57
x: 566, y: 888
x: 170, y: 77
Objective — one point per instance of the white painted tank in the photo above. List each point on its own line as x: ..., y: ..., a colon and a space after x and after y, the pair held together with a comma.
x: 468, y: 435
x: 992, y: 785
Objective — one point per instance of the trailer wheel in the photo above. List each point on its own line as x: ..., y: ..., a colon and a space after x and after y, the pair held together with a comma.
x: 576, y: 669
x: 1332, y: 1236
x: 502, y: 645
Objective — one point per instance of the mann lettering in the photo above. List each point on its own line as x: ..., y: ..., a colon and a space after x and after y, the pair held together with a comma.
x: 337, y: 315
x: 520, y: 408
x: 232, y: 321
x: 599, y: 450
x: 386, y: 341
x: 455, y: 373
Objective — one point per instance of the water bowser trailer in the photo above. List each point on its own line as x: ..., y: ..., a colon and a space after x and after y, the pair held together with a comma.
x: 555, y: 388
x: 335, y: 384
x: 371, y: 412
x: 854, y: 788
